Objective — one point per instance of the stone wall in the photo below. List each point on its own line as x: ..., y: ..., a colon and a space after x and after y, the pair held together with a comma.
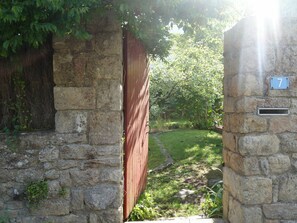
x: 260, y: 152
x: 82, y: 159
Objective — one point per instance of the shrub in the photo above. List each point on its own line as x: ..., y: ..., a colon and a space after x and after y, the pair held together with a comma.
x: 145, y: 209
x: 212, y: 206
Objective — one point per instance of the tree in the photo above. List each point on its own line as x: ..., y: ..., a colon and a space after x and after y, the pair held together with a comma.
x: 188, y: 83
x: 27, y: 23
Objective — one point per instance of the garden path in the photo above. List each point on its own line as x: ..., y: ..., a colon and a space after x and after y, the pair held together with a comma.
x: 168, y: 159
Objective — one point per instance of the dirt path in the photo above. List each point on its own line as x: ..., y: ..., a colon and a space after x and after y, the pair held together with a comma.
x: 168, y: 159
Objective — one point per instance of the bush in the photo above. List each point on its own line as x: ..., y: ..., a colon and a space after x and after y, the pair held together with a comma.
x: 145, y: 209
x: 212, y: 206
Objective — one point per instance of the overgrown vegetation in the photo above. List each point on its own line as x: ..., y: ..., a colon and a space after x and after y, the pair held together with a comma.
x: 194, y: 152
x: 35, y: 192
x: 212, y: 203
x: 188, y: 84
x: 19, y: 118
x: 26, y: 23
x: 144, y: 209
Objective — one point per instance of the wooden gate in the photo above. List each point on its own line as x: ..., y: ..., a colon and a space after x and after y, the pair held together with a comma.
x: 136, y: 108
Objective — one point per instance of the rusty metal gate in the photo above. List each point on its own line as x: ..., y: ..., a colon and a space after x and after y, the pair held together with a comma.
x: 136, y: 108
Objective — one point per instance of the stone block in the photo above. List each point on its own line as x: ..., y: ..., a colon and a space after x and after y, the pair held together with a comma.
x: 246, y: 85
x: 49, y: 154
x: 279, y: 163
x: 69, y: 218
x: 86, y: 152
x: 65, y: 180
x: 230, y: 62
x: 229, y: 141
x: 56, y: 207
x: 225, y: 204
x: 248, y: 104
x: 70, y: 70
x: 105, y: 128
x: 71, y: 121
x: 109, y: 95
x: 287, y: 189
x: 280, y: 124
x: 229, y: 104
x: 242, y: 123
x: 293, y: 162
x: 271, y: 221
x: 281, y: 211
x: 258, y: 145
x: 101, y: 197
x: 53, y: 188
x: 249, y: 60
x: 77, y: 199
x: 93, y: 218
x: 68, y: 44
x: 293, y: 109
x: 103, y: 161
x: 226, y: 122
x: 288, y: 142
x: 286, y: 58
x: 110, y: 67
x: 63, y: 68
x: 241, y: 214
x: 67, y: 98
x: 106, y: 44
x: 248, y: 190
x: 111, y: 216
x: 264, y: 165
x: 67, y: 164
x: 52, y: 174
x: 243, y: 165
x: 91, y: 177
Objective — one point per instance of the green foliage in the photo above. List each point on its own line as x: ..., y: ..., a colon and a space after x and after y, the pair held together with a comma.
x: 63, y: 192
x: 145, y: 209
x: 36, y: 192
x: 160, y: 125
x: 22, y: 118
x: 212, y: 206
x: 12, y: 139
x: 189, y: 84
x: 4, y: 218
x: 26, y: 23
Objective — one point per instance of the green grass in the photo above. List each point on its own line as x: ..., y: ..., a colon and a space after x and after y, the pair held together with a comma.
x: 160, y: 125
x: 194, y: 152
x: 155, y: 156
x: 199, y: 145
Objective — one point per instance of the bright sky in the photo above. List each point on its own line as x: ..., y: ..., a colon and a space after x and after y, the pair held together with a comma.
x: 264, y: 8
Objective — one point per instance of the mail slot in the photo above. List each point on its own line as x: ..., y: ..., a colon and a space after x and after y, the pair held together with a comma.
x: 273, y: 111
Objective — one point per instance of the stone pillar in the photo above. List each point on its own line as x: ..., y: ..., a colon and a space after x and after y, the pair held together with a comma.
x: 260, y: 179
x: 88, y: 99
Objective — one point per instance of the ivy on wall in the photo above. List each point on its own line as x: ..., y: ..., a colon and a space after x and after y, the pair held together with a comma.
x: 27, y: 23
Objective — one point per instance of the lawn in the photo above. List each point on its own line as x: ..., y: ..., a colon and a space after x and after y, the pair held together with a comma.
x: 194, y: 153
